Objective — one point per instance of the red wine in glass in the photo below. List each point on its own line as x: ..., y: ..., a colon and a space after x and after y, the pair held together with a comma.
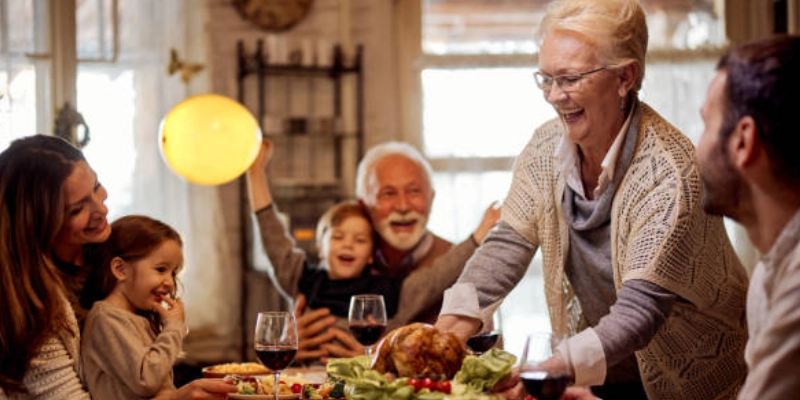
x: 546, y: 368
x: 481, y: 343
x: 367, y: 319
x: 275, y: 342
x: 275, y: 358
x: 545, y: 386
x: 367, y: 334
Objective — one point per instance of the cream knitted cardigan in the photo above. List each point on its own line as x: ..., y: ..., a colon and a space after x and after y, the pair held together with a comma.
x: 54, y: 370
x: 659, y: 233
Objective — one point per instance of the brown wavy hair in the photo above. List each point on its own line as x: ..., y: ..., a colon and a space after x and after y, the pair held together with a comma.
x: 32, y: 175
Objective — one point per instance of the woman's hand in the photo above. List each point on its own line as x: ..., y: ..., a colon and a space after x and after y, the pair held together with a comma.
x: 201, y: 389
x: 313, y: 331
x: 461, y: 326
x: 578, y: 393
x: 347, y: 345
x: 510, y: 387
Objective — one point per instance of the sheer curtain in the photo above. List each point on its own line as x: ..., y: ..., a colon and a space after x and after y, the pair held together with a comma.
x: 123, y: 102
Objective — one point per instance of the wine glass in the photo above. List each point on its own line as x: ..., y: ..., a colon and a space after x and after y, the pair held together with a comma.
x: 276, y: 342
x: 546, y: 370
x: 482, y: 342
x: 367, y: 319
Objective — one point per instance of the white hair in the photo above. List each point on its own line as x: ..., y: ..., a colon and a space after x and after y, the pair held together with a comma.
x: 366, y: 183
x: 617, y: 28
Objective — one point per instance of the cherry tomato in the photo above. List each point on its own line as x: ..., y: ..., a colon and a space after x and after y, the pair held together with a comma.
x: 444, y: 387
x: 428, y: 383
x: 297, y: 388
x: 416, y: 383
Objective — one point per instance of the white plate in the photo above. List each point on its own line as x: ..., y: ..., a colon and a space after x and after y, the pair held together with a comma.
x: 310, y: 374
x: 294, y: 396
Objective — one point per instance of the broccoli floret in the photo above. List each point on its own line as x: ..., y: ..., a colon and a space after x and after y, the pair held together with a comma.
x: 338, y: 390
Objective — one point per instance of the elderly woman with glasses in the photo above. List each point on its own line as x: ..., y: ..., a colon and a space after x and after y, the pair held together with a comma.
x: 644, y: 283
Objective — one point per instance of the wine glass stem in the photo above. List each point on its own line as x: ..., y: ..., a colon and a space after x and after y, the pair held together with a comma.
x: 276, y: 388
x: 369, y: 351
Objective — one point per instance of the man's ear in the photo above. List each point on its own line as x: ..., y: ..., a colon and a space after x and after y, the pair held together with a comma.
x: 743, y: 143
x: 118, y: 269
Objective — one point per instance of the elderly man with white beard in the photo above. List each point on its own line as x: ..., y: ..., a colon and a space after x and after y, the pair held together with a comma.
x: 394, y: 184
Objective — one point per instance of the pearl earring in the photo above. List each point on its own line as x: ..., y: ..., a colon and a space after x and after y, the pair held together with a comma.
x: 622, y: 105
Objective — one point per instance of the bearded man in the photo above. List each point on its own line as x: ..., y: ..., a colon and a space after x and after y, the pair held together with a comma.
x: 751, y: 173
x: 394, y: 184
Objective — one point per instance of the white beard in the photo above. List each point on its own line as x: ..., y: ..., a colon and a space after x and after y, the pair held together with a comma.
x: 402, y: 241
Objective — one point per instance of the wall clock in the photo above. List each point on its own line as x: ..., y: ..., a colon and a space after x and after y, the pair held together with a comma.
x: 273, y: 15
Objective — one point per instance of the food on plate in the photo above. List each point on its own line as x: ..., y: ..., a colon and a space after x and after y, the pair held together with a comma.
x: 419, y: 350
x: 472, y: 382
x: 265, y: 384
x: 247, y: 368
x: 245, y: 384
x: 330, y: 389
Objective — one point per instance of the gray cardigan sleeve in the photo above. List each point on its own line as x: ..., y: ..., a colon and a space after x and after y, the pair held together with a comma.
x: 498, y: 264
x: 640, y: 310
x: 641, y: 307
x: 287, y: 261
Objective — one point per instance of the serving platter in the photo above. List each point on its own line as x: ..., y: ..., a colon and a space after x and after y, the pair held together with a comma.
x: 316, y: 374
x: 293, y: 396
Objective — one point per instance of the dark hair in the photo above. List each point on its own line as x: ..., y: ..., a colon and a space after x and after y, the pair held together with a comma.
x: 763, y: 82
x: 32, y: 175
x: 132, y: 238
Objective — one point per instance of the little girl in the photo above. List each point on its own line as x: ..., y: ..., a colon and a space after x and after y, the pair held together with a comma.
x: 135, y: 329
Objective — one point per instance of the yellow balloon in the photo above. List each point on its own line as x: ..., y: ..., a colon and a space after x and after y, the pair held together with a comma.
x: 209, y: 139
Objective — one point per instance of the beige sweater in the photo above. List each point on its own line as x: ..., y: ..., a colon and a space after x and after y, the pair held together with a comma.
x: 659, y: 234
x: 54, y: 371
x: 122, y: 358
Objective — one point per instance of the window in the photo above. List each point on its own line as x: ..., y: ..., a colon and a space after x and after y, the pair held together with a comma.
x: 480, y: 106
x: 122, y: 91
x: 24, y: 76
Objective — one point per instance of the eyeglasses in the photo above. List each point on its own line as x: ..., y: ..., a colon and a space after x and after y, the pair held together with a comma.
x: 567, y: 83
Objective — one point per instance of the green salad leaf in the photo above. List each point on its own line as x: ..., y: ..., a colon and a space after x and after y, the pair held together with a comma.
x: 348, y: 368
x: 481, y: 373
x: 477, y: 374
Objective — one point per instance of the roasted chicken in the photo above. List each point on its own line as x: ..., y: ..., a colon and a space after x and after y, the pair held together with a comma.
x: 419, y: 350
